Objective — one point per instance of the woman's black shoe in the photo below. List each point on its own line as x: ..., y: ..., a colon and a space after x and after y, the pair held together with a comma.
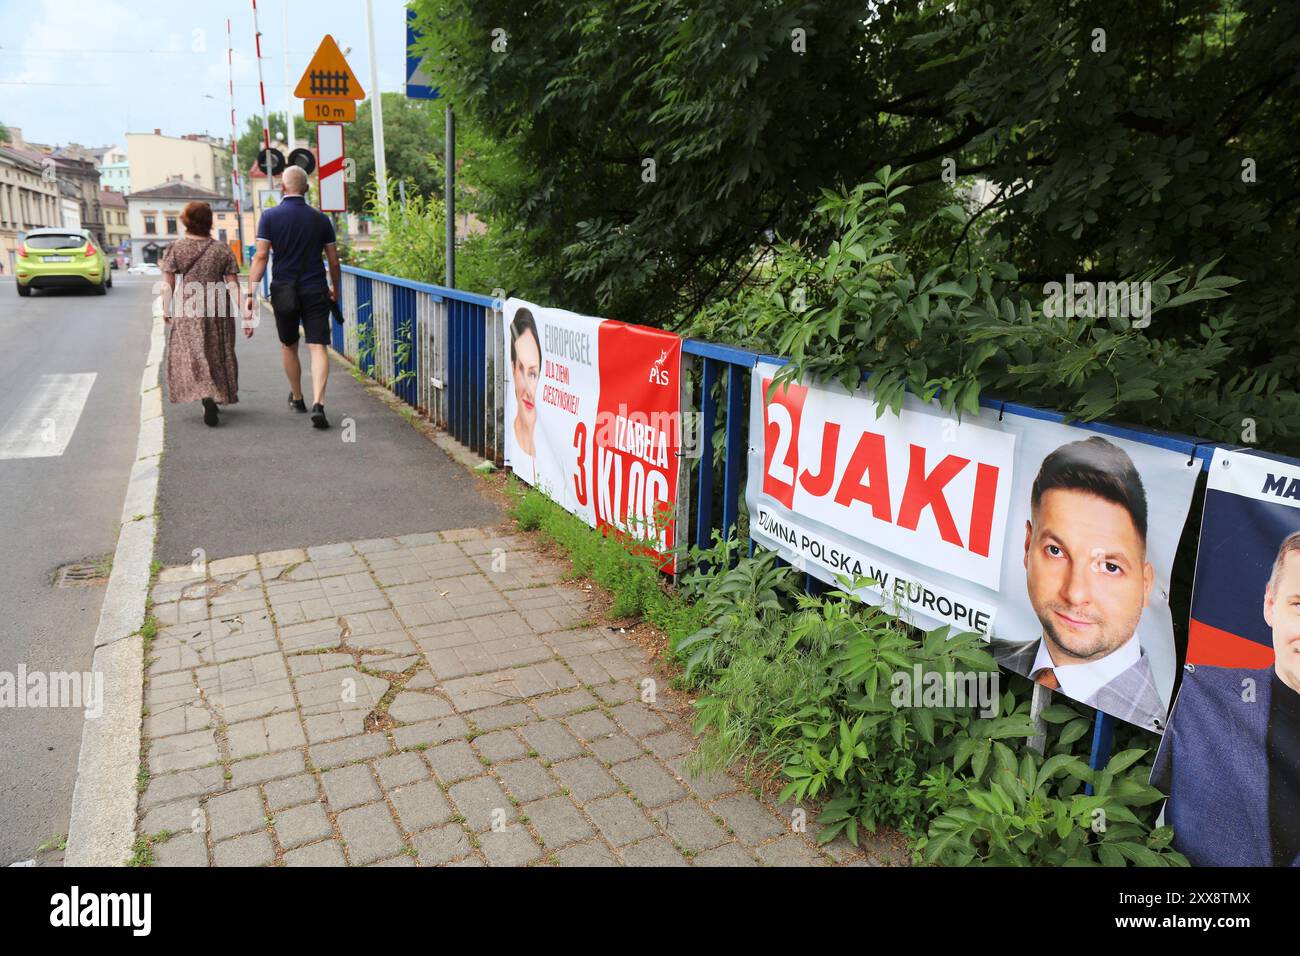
x: 209, y: 412
x: 318, y: 419
x: 297, y: 404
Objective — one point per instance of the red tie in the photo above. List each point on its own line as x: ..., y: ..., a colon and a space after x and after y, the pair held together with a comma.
x: 1047, y: 677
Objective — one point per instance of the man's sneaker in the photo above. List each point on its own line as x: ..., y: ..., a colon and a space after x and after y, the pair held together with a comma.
x: 209, y: 412
x: 318, y: 419
x: 297, y: 404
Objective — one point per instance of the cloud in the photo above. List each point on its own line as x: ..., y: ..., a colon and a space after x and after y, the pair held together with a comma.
x: 89, y: 71
x: 65, y: 73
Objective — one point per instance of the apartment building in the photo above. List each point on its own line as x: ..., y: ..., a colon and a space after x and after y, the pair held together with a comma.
x: 154, y: 216
x: 29, y: 199
x: 117, y: 226
x: 115, y: 170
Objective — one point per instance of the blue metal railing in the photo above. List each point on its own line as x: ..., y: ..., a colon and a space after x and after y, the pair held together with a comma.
x: 713, y: 358
x: 442, y: 351
x: 435, y: 348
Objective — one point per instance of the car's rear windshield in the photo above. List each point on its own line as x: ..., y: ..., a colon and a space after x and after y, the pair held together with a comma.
x: 56, y: 241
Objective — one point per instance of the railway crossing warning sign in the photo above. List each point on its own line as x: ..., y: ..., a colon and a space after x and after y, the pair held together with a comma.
x: 329, y: 111
x: 328, y: 76
x: 332, y: 176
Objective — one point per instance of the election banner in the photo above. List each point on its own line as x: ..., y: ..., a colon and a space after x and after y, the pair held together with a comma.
x: 592, y: 418
x: 1252, y: 505
x: 1228, y: 760
x: 1056, y: 543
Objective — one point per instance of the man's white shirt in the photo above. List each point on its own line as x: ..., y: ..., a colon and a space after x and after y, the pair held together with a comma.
x: 1082, y: 681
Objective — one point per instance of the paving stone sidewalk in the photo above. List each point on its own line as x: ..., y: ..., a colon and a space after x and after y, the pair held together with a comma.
x: 440, y: 698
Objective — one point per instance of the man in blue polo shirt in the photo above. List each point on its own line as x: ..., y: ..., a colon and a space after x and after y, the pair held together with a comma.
x: 298, y: 234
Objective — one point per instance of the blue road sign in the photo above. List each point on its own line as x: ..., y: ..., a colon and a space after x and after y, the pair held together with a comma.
x: 417, y: 81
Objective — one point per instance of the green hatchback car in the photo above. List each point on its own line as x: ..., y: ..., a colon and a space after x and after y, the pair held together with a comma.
x: 61, y: 258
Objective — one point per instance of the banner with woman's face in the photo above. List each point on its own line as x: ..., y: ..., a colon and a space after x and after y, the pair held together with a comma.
x: 592, y: 417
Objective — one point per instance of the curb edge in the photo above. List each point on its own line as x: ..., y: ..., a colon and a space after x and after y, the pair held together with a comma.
x: 101, y: 827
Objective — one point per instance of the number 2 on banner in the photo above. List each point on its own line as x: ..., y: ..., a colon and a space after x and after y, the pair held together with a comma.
x: 580, y: 479
x: 779, y: 469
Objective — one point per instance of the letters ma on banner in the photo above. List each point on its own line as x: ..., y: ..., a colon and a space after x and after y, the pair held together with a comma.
x: 1230, y: 756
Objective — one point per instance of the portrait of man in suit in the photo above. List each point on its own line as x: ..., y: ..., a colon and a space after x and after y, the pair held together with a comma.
x: 1230, y: 760
x: 1089, y: 580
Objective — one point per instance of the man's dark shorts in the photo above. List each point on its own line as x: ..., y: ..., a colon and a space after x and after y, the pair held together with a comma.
x: 313, y: 311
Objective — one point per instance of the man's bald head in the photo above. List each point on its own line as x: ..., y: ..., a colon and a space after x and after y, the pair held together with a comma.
x: 295, y: 181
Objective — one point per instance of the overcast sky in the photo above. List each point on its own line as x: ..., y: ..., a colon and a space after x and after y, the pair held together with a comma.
x: 89, y: 71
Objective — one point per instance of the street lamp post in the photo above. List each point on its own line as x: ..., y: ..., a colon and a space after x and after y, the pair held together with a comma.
x: 377, y: 112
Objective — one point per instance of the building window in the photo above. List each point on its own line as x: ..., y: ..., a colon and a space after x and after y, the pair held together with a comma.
x: 171, y: 225
x: 221, y: 234
x: 150, y: 227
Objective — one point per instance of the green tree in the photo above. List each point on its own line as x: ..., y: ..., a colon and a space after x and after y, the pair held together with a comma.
x: 1113, y: 148
x: 413, y: 146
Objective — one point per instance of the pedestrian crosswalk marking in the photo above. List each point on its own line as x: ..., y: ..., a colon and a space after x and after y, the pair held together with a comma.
x: 42, y: 426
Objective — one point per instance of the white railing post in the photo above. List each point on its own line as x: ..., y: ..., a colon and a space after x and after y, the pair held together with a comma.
x: 384, y: 333
x: 350, y: 316
x: 438, y: 329
x: 497, y: 349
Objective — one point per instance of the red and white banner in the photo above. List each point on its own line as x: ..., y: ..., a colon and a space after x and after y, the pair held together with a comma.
x: 1055, y: 542
x: 592, y: 417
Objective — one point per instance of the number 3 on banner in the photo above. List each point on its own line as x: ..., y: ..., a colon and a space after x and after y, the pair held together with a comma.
x: 580, y: 479
x: 778, y: 468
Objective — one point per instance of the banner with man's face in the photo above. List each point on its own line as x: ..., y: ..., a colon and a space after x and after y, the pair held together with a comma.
x: 1230, y: 761
x: 1054, y: 542
x: 592, y: 417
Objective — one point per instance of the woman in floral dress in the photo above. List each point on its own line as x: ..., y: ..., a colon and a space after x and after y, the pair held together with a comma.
x: 200, y: 292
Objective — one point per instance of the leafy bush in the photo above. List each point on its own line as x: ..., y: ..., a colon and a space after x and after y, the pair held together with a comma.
x: 873, y: 301
x: 496, y: 260
x: 412, y: 243
x: 1032, y: 812
x: 806, y: 683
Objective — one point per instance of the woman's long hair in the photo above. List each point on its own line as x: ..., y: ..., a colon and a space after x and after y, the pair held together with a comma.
x: 524, y: 322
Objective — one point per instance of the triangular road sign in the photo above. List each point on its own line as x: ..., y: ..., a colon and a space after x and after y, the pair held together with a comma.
x: 328, y: 76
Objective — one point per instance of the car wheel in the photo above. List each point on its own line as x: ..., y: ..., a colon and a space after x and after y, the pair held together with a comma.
x: 110, y: 280
x: 101, y: 289
x: 24, y: 290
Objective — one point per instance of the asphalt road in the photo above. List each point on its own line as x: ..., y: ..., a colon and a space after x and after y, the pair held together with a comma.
x: 264, y: 479
x: 58, y: 510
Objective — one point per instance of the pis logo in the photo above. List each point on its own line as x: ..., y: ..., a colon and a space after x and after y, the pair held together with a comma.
x: 658, y: 374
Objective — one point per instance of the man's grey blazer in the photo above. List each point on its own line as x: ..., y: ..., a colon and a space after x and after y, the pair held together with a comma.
x: 1130, y: 695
